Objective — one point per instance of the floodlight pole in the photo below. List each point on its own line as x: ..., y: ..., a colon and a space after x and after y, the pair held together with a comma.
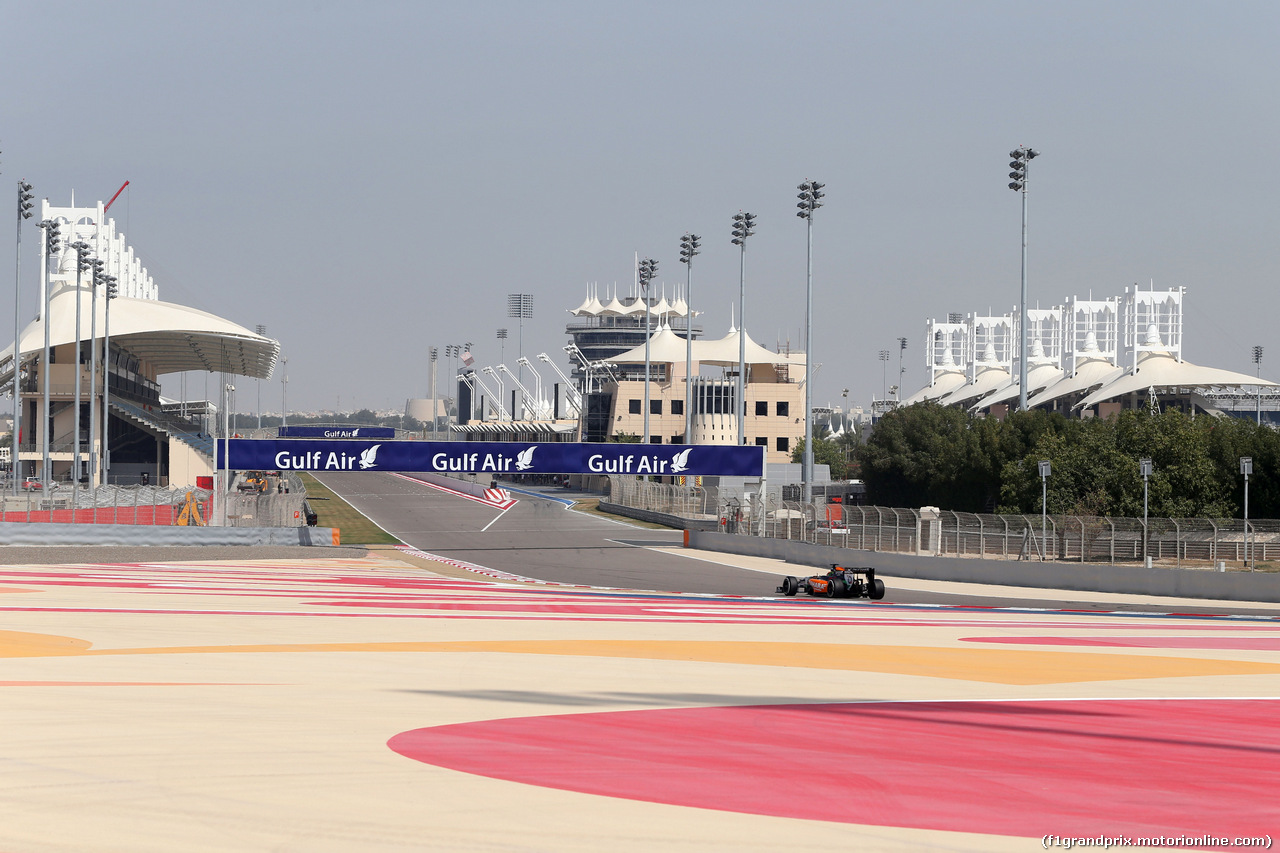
x: 52, y: 233
x: 743, y: 227
x: 109, y: 281
x: 1257, y: 361
x: 1246, y: 468
x: 648, y: 269
x: 82, y: 263
x: 1144, y: 465
x: 810, y: 195
x: 688, y: 249
x: 1022, y: 157
x: 262, y: 330
x: 1045, y: 471
x: 24, y: 212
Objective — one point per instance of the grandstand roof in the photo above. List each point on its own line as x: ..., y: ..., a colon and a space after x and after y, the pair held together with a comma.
x: 170, y: 338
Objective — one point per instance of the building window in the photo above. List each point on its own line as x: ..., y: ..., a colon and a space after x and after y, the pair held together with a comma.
x: 762, y: 407
x: 655, y: 439
x: 634, y: 407
x: 762, y: 441
x: 784, y: 410
x: 784, y: 444
x: 655, y: 408
x: 677, y: 407
x: 677, y: 439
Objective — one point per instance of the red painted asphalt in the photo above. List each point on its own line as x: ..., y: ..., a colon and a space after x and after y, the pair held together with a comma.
x: 1070, y: 768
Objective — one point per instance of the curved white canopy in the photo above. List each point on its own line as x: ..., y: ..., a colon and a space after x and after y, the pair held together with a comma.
x: 1088, y: 374
x: 1039, y: 377
x: 666, y: 347
x: 984, y: 383
x: 724, y: 352
x: 943, y: 384
x: 1160, y: 370
x: 170, y: 338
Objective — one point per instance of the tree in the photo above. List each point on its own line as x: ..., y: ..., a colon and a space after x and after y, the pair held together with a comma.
x: 825, y: 452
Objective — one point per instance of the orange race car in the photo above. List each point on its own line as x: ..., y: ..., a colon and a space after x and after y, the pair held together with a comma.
x: 838, y: 582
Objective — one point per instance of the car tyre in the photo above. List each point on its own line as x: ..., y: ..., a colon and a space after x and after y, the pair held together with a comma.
x: 876, y: 592
x: 790, y: 585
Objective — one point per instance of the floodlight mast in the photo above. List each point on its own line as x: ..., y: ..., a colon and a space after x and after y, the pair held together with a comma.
x: 688, y: 249
x: 1021, y: 158
x: 744, y: 225
x: 810, y: 200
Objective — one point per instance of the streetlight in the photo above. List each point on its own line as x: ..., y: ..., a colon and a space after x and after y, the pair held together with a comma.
x: 1022, y: 157
x: 284, y: 391
x: 1257, y: 360
x: 435, y: 354
x: 1144, y: 466
x: 83, y: 262
x: 24, y: 212
x: 688, y: 249
x: 884, y: 374
x: 1246, y: 468
x: 1045, y: 471
x: 111, y: 292
x: 262, y: 330
x: 520, y: 307
x: 902, y: 371
x: 810, y: 200
x: 52, y: 244
x: 647, y: 271
x: 743, y: 227
x: 99, y: 280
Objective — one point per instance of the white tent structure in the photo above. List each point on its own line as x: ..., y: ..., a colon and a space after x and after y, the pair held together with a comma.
x: 1162, y: 373
x: 946, y: 352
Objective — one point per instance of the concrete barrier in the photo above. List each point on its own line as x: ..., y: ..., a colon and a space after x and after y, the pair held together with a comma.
x: 676, y: 521
x: 1087, y: 577
x: 15, y: 533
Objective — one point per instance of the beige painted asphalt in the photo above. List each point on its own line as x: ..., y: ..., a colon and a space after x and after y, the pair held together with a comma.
x: 134, y: 718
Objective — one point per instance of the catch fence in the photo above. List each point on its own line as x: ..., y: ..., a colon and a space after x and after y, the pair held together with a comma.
x: 64, y: 503
x: 1171, y: 542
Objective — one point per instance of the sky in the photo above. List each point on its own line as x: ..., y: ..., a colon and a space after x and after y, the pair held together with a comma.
x: 368, y: 180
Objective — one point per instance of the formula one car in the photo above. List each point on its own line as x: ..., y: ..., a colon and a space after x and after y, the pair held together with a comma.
x: 838, y: 582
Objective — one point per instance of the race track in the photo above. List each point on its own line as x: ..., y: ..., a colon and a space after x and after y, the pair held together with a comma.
x: 429, y: 698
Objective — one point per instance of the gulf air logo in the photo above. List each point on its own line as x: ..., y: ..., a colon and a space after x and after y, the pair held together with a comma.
x: 524, y: 459
x: 369, y: 456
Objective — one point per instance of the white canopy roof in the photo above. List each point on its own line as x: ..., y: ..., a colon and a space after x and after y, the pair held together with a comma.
x: 1039, y: 377
x: 589, y: 307
x: 666, y: 347
x: 943, y: 384
x: 991, y: 378
x: 724, y: 352
x: 613, y: 306
x: 170, y: 338
x: 1160, y: 370
x: 1089, y: 374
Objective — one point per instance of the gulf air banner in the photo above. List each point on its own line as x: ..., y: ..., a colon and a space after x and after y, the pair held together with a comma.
x: 490, y: 457
x: 336, y: 432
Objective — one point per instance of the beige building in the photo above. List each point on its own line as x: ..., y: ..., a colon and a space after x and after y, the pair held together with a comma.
x: 774, y: 393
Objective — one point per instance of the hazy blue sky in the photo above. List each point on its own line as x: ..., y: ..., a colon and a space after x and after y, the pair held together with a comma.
x: 370, y: 179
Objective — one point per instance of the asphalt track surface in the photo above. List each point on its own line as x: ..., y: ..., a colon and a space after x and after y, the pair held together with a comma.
x: 542, y: 538
x: 329, y: 700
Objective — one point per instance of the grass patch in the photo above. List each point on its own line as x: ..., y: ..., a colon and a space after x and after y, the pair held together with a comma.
x: 333, y: 511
